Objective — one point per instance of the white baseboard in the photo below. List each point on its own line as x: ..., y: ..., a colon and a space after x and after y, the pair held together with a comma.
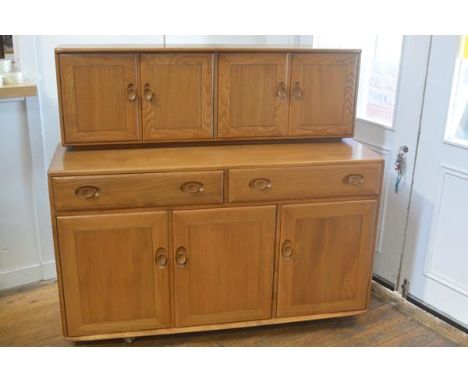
x: 48, y: 270
x: 27, y: 275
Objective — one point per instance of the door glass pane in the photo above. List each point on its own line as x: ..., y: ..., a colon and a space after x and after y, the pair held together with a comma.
x: 378, y: 79
x: 457, y: 126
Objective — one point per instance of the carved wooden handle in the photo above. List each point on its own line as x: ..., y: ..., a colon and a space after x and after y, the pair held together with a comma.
x: 353, y: 179
x: 87, y: 192
x: 181, y: 256
x: 287, y: 249
x: 161, y: 258
x: 147, y: 92
x: 297, y: 91
x: 260, y: 183
x: 131, y: 93
x: 192, y: 187
x: 281, y: 90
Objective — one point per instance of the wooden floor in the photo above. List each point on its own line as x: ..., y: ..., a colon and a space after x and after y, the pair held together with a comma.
x: 30, y: 317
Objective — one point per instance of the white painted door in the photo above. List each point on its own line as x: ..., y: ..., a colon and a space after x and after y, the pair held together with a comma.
x: 435, y: 260
x: 387, y: 140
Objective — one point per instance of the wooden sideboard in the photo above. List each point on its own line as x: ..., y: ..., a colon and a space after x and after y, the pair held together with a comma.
x: 207, y: 200
x: 179, y: 239
x: 138, y: 95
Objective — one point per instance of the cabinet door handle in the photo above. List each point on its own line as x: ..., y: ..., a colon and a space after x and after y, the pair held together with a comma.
x: 87, y: 192
x: 192, y: 187
x: 260, y: 183
x: 296, y: 90
x: 161, y: 258
x: 281, y: 92
x: 287, y: 249
x: 147, y: 92
x: 131, y: 93
x: 181, y: 256
x: 353, y: 179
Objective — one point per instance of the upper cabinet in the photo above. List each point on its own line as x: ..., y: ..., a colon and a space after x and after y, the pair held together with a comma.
x: 142, y: 95
x: 99, y: 98
x: 177, y: 92
x: 252, y: 95
x: 323, y: 94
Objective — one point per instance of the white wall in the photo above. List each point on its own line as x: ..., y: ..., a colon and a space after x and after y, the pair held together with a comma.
x: 29, y: 134
x: 20, y: 261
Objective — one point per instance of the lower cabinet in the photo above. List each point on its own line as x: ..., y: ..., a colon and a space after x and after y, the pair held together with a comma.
x: 325, y: 257
x: 118, y: 274
x: 115, y: 272
x: 224, y: 261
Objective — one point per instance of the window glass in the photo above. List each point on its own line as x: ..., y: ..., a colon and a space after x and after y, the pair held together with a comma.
x: 378, y: 79
x: 457, y: 127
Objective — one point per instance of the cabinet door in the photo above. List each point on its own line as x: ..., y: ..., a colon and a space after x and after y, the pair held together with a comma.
x: 325, y: 257
x: 223, y: 264
x: 99, y: 97
x: 115, y: 272
x: 177, y: 96
x: 253, y: 95
x: 323, y: 94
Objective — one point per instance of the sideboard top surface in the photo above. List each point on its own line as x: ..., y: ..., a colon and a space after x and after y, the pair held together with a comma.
x: 134, y: 48
x: 68, y: 161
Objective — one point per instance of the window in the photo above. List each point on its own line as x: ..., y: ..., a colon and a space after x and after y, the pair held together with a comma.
x: 378, y: 79
x: 457, y: 126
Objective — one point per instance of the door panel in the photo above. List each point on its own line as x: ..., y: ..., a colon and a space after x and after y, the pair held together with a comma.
x: 99, y: 97
x: 326, y: 256
x: 181, y: 89
x: 435, y: 261
x: 112, y: 282
x: 323, y: 91
x: 253, y: 95
x: 228, y: 275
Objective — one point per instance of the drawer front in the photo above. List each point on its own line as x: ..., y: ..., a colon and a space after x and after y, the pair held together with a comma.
x: 137, y: 190
x: 303, y: 182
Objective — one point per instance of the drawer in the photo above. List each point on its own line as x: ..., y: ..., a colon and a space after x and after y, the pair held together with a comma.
x: 303, y: 182
x: 137, y: 190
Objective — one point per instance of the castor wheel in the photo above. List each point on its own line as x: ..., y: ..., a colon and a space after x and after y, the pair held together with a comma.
x: 129, y: 340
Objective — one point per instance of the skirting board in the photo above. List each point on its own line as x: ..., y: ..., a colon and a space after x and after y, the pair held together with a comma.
x: 26, y: 275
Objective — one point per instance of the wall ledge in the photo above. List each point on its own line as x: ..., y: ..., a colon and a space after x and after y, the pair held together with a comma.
x: 27, y: 89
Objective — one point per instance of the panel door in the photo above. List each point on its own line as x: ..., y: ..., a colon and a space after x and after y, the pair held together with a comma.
x: 323, y: 94
x: 177, y: 96
x: 99, y: 96
x: 252, y: 95
x: 223, y: 264
x: 115, y: 272
x: 325, y: 257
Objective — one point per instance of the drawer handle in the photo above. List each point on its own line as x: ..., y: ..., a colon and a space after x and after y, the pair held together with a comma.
x: 260, y: 183
x: 287, y: 249
x: 161, y: 258
x: 353, y: 179
x: 181, y: 256
x: 87, y: 192
x: 192, y: 187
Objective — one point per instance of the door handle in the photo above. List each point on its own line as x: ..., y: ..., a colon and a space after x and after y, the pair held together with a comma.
x: 400, y: 163
x: 161, y: 258
x: 131, y: 93
x: 297, y: 91
x: 147, y: 92
x: 287, y: 249
x: 181, y: 256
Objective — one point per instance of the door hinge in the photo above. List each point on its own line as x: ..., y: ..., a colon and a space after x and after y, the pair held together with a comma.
x: 405, y: 288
